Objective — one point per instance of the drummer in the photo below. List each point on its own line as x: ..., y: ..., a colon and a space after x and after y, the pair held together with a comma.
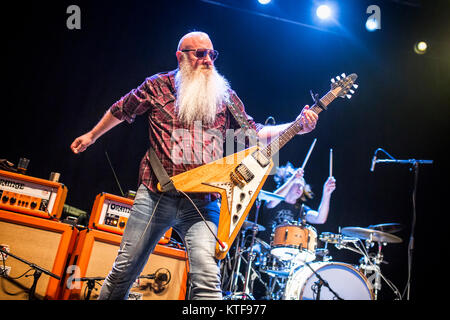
x: 291, y: 185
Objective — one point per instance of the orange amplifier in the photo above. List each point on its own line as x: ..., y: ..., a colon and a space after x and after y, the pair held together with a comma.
x: 29, y: 195
x: 94, y: 256
x: 44, y: 243
x: 110, y: 213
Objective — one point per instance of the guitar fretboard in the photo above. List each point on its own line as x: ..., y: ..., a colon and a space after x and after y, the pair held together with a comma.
x: 275, y: 145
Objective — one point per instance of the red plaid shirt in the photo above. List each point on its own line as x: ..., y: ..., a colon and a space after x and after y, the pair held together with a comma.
x: 179, y: 147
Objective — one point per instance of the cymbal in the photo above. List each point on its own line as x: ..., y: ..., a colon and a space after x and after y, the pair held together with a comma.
x: 263, y: 243
x: 269, y: 196
x: 370, y: 234
x: 249, y: 225
x: 387, y: 227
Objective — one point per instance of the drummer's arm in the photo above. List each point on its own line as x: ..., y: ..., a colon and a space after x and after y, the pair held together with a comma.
x: 321, y: 216
x: 284, y: 189
x: 281, y: 191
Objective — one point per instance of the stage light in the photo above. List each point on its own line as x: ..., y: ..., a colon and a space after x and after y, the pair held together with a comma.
x: 264, y: 1
x: 323, y: 12
x: 420, y: 47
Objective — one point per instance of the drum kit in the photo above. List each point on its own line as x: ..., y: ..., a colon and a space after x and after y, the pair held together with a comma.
x: 292, y: 267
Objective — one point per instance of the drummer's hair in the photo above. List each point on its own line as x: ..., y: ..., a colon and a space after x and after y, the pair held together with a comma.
x: 307, y: 193
x: 283, y: 173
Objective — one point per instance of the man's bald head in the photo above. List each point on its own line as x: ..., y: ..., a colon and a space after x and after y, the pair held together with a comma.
x: 191, y: 39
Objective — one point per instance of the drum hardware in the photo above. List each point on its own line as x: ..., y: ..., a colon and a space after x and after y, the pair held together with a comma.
x: 371, y: 264
x: 324, y: 253
x: 254, y: 227
x: 387, y: 227
x: 370, y: 234
x: 251, y: 225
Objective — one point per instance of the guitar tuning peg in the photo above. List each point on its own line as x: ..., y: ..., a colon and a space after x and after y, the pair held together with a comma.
x: 332, y: 80
x: 351, y: 91
x: 343, y: 75
x: 355, y: 86
x: 339, y: 78
x: 348, y: 96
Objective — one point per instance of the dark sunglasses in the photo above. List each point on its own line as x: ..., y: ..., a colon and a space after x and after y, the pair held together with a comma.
x: 201, y: 53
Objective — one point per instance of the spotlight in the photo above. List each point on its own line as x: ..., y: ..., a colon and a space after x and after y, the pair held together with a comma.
x: 323, y: 12
x: 264, y: 1
x: 420, y: 47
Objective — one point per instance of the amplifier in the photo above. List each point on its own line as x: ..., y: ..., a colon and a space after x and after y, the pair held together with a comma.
x: 44, y: 243
x: 94, y: 256
x: 33, y: 196
x: 110, y: 213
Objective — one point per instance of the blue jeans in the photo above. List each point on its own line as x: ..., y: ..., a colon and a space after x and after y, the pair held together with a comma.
x: 146, y: 226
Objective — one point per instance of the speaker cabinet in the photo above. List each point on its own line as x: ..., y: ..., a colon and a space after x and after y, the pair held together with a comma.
x: 94, y: 256
x: 44, y: 243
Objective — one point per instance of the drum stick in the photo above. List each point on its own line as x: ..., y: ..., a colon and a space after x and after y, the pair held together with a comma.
x: 309, y: 153
x: 331, y: 162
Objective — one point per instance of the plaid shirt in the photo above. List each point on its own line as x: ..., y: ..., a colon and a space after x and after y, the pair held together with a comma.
x: 179, y: 147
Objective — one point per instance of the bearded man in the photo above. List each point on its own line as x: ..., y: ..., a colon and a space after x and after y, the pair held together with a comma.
x: 181, y: 106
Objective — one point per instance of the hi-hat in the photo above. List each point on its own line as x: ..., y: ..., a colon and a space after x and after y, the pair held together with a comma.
x: 249, y: 225
x: 387, y: 227
x: 370, y: 234
x: 269, y: 196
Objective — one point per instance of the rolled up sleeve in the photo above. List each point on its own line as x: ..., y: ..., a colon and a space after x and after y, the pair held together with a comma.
x: 136, y: 102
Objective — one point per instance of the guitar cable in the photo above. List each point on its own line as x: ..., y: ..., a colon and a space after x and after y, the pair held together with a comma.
x: 204, y: 220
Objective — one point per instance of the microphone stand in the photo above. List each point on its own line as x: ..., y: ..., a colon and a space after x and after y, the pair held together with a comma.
x: 36, y: 275
x: 320, y: 283
x: 90, y: 284
x: 415, y: 164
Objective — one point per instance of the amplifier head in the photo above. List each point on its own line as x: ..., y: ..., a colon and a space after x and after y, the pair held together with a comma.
x: 33, y: 196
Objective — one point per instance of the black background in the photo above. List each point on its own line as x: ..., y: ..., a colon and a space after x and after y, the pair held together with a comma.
x: 59, y: 82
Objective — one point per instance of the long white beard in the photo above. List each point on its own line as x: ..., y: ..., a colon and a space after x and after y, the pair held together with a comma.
x: 199, y: 95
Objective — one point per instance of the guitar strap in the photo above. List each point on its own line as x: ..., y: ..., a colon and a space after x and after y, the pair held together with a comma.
x: 160, y: 173
x: 241, y: 119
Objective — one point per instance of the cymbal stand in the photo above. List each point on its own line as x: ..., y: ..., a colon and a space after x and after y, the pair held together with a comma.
x: 372, y: 264
x: 246, y: 294
x: 235, y: 274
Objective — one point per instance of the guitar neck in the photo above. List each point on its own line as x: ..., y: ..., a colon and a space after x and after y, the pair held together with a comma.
x: 274, y: 146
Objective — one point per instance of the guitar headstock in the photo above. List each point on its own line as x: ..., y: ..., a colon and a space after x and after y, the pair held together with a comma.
x: 342, y: 85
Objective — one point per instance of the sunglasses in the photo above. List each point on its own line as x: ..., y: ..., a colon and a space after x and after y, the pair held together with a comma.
x: 201, y: 53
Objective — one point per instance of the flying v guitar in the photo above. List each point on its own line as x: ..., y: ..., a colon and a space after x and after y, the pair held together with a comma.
x: 239, y: 177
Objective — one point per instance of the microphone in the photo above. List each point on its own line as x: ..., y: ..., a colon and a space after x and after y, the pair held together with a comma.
x: 374, y: 160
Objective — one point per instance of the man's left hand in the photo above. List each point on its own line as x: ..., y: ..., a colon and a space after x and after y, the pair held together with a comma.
x: 308, y: 119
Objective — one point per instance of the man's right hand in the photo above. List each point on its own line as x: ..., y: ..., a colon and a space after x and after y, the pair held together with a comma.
x: 82, y: 142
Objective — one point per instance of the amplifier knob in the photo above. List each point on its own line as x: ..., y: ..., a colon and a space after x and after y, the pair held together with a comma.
x: 122, y: 224
x: 12, y: 200
x: 5, y: 198
x: 33, y: 205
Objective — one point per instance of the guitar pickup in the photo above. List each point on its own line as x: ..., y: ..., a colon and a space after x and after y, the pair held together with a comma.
x: 262, y: 159
x: 244, y: 172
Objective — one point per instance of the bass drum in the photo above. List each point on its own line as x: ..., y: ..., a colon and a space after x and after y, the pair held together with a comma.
x: 346, y: 281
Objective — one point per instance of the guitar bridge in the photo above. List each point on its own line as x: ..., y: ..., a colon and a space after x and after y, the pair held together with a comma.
x: 237, y: 180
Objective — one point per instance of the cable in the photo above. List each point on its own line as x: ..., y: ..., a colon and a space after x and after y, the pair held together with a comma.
x: 201, y: 215
x: 389, y: 283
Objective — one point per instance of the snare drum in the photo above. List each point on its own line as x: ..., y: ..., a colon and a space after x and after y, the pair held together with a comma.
x: 346, y: 281
x: 294, y: 241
